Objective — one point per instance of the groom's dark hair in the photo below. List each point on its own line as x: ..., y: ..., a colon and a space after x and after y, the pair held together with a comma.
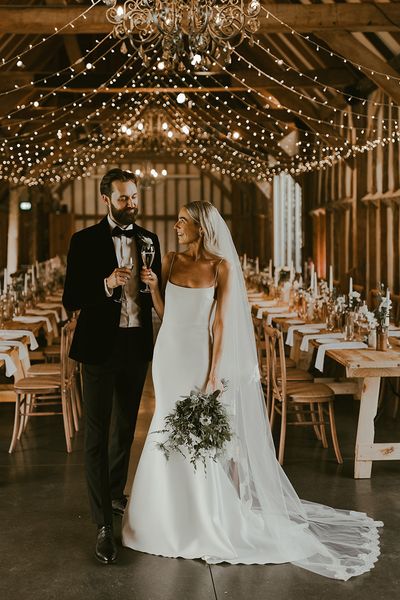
x: 115, y: 175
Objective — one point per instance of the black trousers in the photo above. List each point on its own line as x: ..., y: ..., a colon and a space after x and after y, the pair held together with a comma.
x: 111, y: 393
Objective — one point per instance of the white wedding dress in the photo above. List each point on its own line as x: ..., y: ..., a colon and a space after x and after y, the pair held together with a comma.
x: 243, y: 509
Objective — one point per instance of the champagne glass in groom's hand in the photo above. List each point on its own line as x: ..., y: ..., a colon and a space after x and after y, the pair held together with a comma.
x: 126, y: 263
x: 147, y: 253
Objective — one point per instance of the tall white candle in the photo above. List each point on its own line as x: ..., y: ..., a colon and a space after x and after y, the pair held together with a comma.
x: 315, y: 289
x: 312, y: 275
x: 291, y: 271
x: 5, y: 279
x: 270, y: 267
x: 26, y: 283
x: 276, y: 277
x: 257, y: 265
x: 387, y: 318
x: 244, y: 260
x: 351, y: 286
x: 33, y: 276
x: 330, y: 278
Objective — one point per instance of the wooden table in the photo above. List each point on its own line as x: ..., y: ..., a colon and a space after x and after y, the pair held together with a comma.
x: 13, y: 352
x: 369, y: 365
x: 34, y: 327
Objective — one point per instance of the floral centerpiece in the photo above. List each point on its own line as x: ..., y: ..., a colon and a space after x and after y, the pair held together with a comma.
x: 354, y: 300
x: 198, y: 427
x: 382, y: 315
x: 382, y: 311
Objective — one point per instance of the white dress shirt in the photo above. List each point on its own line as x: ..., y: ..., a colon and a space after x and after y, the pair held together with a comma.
x: 126, y: 248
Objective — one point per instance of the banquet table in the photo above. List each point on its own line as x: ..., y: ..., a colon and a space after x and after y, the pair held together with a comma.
x: 7, y: 348
x: 369, y: 366
x: 34, y: 326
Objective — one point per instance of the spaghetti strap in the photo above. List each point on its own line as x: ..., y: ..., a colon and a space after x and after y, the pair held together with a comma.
x: 170, y: 266
x: 216, y: 272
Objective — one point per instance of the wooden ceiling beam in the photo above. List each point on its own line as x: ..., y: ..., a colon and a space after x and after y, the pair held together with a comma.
x: 153, y: 90
x: 333, y: 77
x: 347, y: 46
x: 303, y: 18
x: 308, y: 79
x: 302, y: 108
x: 70, y: 42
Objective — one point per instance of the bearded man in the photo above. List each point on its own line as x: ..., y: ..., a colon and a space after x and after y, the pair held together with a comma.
x: 114, y: 342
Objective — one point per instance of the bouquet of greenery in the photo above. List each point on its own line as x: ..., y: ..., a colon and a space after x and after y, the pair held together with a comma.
x: 198, y: 427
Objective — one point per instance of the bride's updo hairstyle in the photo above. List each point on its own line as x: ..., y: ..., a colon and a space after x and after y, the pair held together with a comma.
x: 206, y: 215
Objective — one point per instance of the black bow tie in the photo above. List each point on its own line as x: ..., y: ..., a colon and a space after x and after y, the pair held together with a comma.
x: 117, y: 232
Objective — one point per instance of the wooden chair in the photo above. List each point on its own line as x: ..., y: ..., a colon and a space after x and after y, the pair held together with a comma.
x: 258, y: 334
x: 373, y: 299
x: 396, y: 309
x: 313, y: 399
x: 35, y: 392
x: 292, y: 372
x: 360, y: 289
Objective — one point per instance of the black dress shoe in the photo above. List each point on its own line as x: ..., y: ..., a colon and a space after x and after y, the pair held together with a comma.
x: 106, y: 549
x: 119, y: 505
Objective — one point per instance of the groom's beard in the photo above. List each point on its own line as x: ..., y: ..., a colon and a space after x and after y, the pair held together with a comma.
x: 125, y: 216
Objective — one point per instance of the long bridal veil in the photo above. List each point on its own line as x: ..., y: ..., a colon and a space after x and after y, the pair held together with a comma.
x: 334, y: 543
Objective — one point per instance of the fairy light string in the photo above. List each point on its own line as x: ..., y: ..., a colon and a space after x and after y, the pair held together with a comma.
x: 320, y: 47
x: 57, y: 31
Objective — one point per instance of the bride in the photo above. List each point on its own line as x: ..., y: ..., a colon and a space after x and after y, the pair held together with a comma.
x: 242, y: 508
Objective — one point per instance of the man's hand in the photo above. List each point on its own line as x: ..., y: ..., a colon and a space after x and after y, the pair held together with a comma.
x: 119, y: 276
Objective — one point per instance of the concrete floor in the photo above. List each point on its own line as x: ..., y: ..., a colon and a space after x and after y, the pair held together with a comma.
x: 47, y: 539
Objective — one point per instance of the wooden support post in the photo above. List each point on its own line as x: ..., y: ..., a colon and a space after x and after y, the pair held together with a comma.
x: 13, y: 231
x: 33, y: 250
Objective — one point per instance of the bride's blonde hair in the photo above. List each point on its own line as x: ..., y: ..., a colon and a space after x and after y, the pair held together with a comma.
x: 206, y: 215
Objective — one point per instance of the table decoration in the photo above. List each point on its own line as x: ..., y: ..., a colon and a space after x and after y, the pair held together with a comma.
x: 382, y: 315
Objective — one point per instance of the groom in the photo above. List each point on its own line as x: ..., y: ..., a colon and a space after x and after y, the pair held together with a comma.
x: 113, y: 340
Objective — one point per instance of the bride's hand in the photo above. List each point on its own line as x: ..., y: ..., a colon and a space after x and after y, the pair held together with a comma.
x: 148, y: 276
x: 213, y: 384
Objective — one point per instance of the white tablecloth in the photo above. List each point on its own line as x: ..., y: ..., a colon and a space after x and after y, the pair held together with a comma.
x: 273, y: 310
x: 319, y: 361
x: 11, y: 334
x: 280, y: 316
x: 313, y: 336
x: 41, y: 311
x: 64, y: 315
x: 311, y: 327
x: 27, y: 319
x: 9, y: 363
x: 22, y: 350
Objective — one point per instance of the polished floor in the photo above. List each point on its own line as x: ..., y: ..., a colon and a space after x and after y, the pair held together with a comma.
x: 47, y: 539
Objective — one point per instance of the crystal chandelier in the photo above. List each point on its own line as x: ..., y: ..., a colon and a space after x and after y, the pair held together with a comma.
x: 152, y: 133
x: 195, y: 31
x: 149, y: 176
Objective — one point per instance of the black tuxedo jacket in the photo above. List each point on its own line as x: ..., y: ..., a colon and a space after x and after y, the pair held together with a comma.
x: 92, y: 258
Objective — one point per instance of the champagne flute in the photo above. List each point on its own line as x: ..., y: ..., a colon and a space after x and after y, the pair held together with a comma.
x: 126, y: 263
x: 147, y: 253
